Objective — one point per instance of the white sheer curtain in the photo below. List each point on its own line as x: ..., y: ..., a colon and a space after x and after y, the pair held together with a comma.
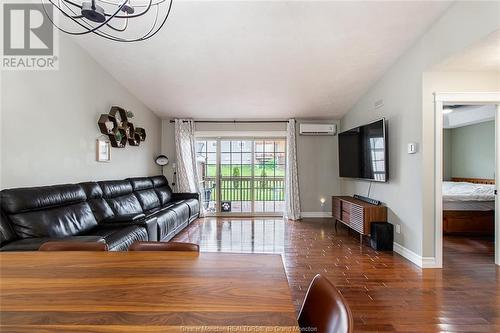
x: 185, y: 153
x: 292, y: 201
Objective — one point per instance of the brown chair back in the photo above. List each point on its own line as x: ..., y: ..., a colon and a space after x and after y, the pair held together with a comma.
x: 325, y: 309
x: 164, y: 246
x: 73, y: 246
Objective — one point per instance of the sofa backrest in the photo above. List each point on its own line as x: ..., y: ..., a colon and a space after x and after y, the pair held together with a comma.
x: 48, y: 211
x: 162, y: 189
x: 145, y: 193
x: 120, y: 197
x: 98, y: 204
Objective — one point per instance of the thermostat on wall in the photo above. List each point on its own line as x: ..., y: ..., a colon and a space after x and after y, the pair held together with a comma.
x: 412, y: 148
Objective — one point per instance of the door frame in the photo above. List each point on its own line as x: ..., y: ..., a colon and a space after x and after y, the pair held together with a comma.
x: 441, y: 99
x: 234, y: 136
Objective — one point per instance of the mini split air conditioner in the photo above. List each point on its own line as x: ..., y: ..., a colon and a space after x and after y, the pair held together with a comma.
x: 318, y: 129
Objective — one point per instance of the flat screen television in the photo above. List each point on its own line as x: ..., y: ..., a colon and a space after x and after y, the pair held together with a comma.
x: 363, y: 152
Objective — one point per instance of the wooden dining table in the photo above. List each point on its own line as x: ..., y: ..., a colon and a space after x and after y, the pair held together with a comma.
x: 144, y: 292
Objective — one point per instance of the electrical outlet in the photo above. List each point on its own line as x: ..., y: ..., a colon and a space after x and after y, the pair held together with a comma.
x: 398, y: 228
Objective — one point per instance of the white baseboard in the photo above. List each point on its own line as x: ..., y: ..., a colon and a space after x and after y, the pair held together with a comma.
x: 408, y: 254
x: 430, y: 262
x: 423, y: 262
x: 315, y: 214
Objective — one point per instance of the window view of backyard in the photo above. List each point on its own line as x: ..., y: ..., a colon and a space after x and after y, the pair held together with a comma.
x: 251, y: 175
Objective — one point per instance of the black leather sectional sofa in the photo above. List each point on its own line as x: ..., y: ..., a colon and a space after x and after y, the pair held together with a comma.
x: 118, y: 212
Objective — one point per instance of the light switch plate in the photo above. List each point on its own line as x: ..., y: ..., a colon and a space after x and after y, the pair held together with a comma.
x: 412, y: 148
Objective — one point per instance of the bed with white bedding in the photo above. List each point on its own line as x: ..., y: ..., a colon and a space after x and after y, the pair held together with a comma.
x: 469, y: 206
x: 464, y: 191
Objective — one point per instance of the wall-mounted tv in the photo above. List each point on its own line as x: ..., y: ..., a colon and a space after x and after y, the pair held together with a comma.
x: 363, y: 152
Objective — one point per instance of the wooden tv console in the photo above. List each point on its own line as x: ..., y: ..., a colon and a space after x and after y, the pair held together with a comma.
x: 357, y: 214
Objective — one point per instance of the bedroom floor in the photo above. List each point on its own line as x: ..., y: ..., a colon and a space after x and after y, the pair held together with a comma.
x: 386, y: 292
x: 460, y: 250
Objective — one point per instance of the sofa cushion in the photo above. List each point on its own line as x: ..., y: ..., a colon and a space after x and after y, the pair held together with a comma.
x: 181, y: 210
x: 152, y: 211
x: 115, y: 188
x: 194, y: 207
x: 92, y: 190
x: 164, y: 194
x: 166, y: 222
x: 119, y: 239
x: 119, y: 196
x: 27, y: 199
x: 159, y: 181
x: 148, y: 199
x: 99, y: 206
x: 7, y: 234
x: 125, y: 218
x: 56, y: 222
x: 33, y: 244
x: 141, y: 183
x: 162, y: 189
x: 101, y: 209
x: 125, y: 204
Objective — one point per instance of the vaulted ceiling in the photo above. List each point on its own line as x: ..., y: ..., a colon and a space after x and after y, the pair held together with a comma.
x: 483, y: 56
x: 265, y: 59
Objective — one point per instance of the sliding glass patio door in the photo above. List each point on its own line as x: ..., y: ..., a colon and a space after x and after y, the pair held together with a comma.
x: 242, y: 176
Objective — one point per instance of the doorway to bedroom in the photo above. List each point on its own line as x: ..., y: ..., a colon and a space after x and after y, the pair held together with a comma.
x: 468, y: 186
x: 467, y: 168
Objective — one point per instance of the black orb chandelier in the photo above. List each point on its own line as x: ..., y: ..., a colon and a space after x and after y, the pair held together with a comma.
x: 110, y: 18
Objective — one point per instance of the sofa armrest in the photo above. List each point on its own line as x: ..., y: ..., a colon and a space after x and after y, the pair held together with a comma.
x: 185, y: 196
x: 152, y: 228
x: 124, y: 218
x: 137, y: 219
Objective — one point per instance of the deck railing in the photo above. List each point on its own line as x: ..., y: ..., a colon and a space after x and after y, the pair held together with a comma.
x: 240, y: 188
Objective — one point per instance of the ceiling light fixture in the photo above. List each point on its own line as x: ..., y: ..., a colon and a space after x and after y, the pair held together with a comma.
x: 110, y: 18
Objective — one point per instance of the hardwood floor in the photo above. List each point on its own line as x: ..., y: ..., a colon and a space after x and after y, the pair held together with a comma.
x: 386, y: 292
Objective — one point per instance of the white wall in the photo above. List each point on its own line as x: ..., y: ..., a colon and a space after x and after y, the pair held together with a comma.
x: 318, y: 166
x: 401, y: 89
x: 49, y: 124
x: 317, y: 159
x: 443, y: 82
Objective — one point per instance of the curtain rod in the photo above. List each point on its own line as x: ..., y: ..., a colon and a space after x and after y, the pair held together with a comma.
x: 237, y: 121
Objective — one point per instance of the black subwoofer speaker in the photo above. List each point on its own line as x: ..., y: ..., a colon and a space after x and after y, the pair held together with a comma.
x: 382, y: 236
